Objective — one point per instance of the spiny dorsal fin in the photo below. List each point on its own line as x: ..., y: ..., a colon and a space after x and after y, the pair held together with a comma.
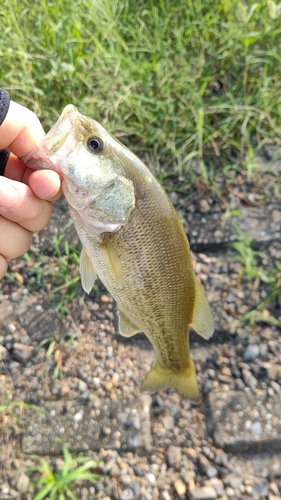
x: 88, y: 274
x: 126, y: 327
x: 202, y: 321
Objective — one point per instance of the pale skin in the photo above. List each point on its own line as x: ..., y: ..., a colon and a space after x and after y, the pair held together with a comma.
x: 25, y: 194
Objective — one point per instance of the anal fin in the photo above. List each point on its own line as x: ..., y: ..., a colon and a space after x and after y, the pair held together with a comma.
x: 87, y: 271
x: 126, y: 327
x: 202, y: 321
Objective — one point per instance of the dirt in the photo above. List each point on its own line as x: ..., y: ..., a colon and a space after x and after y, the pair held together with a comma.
x: 71, y: 362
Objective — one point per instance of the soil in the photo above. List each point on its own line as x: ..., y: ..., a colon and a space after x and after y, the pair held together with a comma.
x: 71, y: 361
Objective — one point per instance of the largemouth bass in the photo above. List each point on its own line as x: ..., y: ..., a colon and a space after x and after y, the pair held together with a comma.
x: 133, y: 240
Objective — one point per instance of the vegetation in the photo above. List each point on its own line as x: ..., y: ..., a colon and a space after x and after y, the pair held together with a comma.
x: 57, y: 485
x: 176, y: 78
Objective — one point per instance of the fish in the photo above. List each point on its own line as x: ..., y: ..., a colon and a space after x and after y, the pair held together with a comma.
x: 133, y: 240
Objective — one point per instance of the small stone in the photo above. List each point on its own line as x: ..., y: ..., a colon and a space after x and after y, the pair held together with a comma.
x: 221, y: 458
x: 4, y: 353
x: 22, y: 482
x: 204, y: 493
x: 82, y: 386
x: 251, y: 352
x: 230, y: 492
x: 261, y: 489
x: 204, y: 206
x: 164, y: 495
x: 151, y: 478
x: 173, y: 455
x: 78, y: 416
x: 105, y: 299
x: 21, y: 352
x: 168, y: 422
x: 11, y: 328
x: 180, y: 487
x: 174, y: 197
x: 233, y: 481
x: 249, y: 379
x: 274, y: 497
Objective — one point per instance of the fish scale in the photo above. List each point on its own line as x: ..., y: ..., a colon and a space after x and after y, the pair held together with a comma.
x: 133, y: 240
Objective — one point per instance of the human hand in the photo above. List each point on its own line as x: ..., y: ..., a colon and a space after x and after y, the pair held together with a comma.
x: 25, y: 194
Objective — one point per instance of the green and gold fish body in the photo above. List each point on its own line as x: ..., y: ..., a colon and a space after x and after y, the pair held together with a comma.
x: 133, y: 240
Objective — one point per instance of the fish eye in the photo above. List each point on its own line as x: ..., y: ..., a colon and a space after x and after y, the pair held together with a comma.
x: 94, y: 144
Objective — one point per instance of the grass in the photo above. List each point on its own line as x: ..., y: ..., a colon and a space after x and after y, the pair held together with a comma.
x: 174, y: 78
x: 255, y: 272
x: 9, y: 417
x: 57, y: 485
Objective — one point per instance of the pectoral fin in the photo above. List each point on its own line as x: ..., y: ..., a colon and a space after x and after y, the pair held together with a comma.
x: 202, y: 321
x: 126, y: 326
x: 88, y: 275
x: 112, y: 260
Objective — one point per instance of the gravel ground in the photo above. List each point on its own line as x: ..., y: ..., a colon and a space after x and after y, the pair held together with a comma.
x: 228, y: 446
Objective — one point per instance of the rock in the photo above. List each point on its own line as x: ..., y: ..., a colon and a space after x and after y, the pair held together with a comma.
x: 204, y: 206
x: 173, y: 455
x: 22, y: 482
x: 82, y: 386
x: 274, y: 497
x: 204, y: 493
x: 249, y: 379
x: 221, y: 458
x: 11, y: 328
x: 174, y: 197
x: 180, y: 487
x: 164, y: 495
x: 251, y: 352
x: 206, y: 467
x: 151, y: 478
x: 233, y: 481
x: 4, y: 353
x: 21, y: 352
x: 261, y: 489
x: 168, y: 422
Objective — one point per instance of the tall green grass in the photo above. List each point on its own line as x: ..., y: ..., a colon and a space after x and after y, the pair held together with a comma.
x: 177, y: 78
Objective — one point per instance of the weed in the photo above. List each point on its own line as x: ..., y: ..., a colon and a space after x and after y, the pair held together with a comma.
x: 244, y: 253
x: 174, y: 77
x: 57, y: 485
x: 57, y: 348
x: 8, y: 416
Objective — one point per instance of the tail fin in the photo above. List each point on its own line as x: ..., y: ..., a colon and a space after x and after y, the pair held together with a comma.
x: 184, y: 382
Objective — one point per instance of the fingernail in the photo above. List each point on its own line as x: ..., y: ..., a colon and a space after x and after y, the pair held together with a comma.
x: 8, y: 193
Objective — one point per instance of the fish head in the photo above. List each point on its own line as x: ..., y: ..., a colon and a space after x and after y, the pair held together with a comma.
x: 94, y: 181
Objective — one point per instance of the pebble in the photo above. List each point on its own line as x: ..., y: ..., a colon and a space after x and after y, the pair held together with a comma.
x: 204, y: 493
x: 173, y: 455
x: 151, y: 478
x: 204, y: 206
x: 11, y: 328
x: 22, y: 482
x: 180, y: 487
x: 168, y: 422
x: 164, y: 495
x: 251, y: 352
x: 274, y: 497
x: 4, y: 353
x: 249, y: 379
x: 21, y: 352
